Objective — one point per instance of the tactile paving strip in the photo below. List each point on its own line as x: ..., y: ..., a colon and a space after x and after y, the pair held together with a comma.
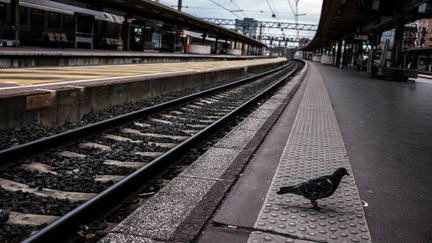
x: 314, y: 148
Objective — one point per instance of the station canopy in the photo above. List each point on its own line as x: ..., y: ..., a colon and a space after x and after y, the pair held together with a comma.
x: 156, y: 11
x: 344, y: 18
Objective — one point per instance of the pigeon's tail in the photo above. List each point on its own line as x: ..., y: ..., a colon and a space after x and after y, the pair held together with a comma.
x: 287, y: 189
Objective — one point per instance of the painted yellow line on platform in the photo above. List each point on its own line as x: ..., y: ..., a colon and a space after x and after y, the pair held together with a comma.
x: 110, y: 72
x: 21, y: 75
x: 34, y: 81
x: 78, y: 72
x: 37, y: 81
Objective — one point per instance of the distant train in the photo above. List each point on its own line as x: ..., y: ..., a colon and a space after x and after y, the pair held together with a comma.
x: 49, y: 23
x: 43, y: 21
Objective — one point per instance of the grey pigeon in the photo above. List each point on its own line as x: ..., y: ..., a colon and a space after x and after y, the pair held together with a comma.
x: 317, y: 188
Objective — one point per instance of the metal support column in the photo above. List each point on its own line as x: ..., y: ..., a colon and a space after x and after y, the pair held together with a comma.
x: 334, y: 54
x: 203, y: 38
x: 179, y: 5
x: 397, y: 47
x: 15, y: 21
x: 127, y: 32
x: 174, y: 41
x: 143, y: 39
x: 216, y: 45
x: 341, y: 62
x: 260, y: 32
x: 225, y: 46
x: 338, y: 53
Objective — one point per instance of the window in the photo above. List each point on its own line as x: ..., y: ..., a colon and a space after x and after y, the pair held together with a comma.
x: 37, y: 18
x: 23, y: 16
x: 68, y: 22
x: 53, y: 20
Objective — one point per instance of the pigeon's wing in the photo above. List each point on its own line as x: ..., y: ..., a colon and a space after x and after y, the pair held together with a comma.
x: 317, y: 188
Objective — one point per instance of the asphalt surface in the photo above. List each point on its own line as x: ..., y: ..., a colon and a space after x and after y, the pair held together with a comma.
x: 387, y: 130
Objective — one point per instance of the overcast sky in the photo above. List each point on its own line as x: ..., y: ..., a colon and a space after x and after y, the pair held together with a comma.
x: 309, y: 10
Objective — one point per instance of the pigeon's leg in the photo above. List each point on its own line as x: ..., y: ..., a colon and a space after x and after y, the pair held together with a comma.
x: 315, y: 204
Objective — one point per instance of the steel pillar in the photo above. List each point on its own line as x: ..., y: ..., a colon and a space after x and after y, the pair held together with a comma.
x: 216, y: 46
x: 341, y: 62
x: 15, y: 20
x: 338, y: 53
x: 397, y: 46
x: 179, y: 5
x: 203, y: 37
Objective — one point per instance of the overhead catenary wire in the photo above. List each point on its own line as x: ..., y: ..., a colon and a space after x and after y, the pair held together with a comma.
x: 238, y: 7
x: 227, y: 9
x: 243, y: 10
x: 275, y: 9
x: 295, y: 12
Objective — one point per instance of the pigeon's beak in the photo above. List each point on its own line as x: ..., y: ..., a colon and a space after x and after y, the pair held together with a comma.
x: 347, y: 174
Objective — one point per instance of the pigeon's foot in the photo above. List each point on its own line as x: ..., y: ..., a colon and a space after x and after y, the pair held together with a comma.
x: 315, y: 205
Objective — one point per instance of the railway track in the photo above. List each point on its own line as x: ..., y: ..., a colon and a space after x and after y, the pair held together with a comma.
x: 69, y: 179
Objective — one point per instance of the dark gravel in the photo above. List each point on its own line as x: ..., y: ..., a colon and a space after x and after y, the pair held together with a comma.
x: 15, y: 233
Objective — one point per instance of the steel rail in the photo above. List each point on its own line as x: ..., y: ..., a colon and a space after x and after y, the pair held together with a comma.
x: 10, y: 154
x: 111, y: 197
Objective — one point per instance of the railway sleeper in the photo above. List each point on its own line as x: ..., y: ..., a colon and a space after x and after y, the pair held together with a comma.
x: 26, y: 219
x: 95, y: 145
x: 125, y: 164
x: 161, y: 121
x: 69, y: 154
x: 153, y: 135
x: 45, y: 192
x: 120, y: 139
x: 38, y: 167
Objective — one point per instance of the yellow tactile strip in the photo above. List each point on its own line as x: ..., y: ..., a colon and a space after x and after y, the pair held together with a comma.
x: 27, y: 76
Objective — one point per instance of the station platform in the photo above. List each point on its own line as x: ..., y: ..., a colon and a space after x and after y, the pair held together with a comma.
x: 22, y: 57
x: 55, y: 95
x: 378, y: 130
x: 23, y: 77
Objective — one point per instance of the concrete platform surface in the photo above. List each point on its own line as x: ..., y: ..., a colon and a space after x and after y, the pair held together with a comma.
x: 23, y: 77
x: 54, y: 96
x: 379, y: 130
x: 297, y: 149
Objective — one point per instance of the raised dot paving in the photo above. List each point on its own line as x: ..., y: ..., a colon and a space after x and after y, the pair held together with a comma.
x: 314, y: 148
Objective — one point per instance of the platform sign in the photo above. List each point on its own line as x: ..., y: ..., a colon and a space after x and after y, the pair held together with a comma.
x: 361, y: 37
x: 39, y: 101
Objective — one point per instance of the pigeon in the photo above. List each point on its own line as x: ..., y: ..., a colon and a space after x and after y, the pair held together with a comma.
x: 317, y: 188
